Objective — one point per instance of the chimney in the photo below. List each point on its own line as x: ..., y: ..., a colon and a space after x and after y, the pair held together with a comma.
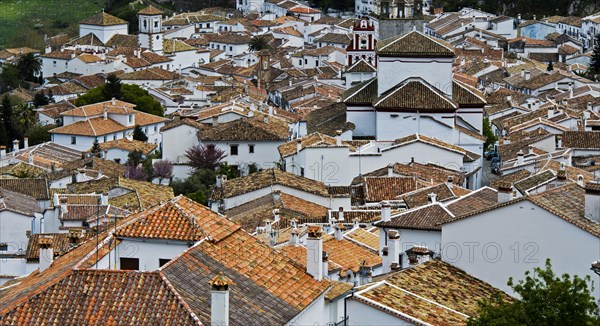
x: 589, y: 106
x: 505, y: 192
x: 462, y: 61
x: 266, y: 119
x: 550, y: 113
x: 390, y: 170
x: 113, y: 101
x: 325, y: 263
x: 15, y: 145
x: 2, y: 152
x: 570, y: 90
x: 509, y: 99
x: 219, y: 300
x: 219, y: 182
x: 276, y: 215
x: 592, y: 201
x: 314, y: 252
x: 105, y: 114
x: 338, y: 138
x: 294, y: 241
x: 386, y: 211
x: 561, y: 174
x: 25, y: 143
x: 530, y: 150
x: 46, y: 252
x: 294, y: 223
x: 559, y: 143
x: 432, y: 197
x: 522, y: 72
x: 298, y: 145
x: 580, y: 180
x: 80, y: 176
x: 339, y: 231
x: 527, y: 75
x: 393, y: 252
x: 341, y: 214
x: 268, y: 225
x: 270, y: 110
x: 520, y: 158
x: 104, y: 199
x: 74, y: 237
x: 450, y: 181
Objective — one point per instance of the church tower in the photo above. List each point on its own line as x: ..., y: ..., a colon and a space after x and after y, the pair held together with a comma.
x: 363, y: 43
x: 150, y: 29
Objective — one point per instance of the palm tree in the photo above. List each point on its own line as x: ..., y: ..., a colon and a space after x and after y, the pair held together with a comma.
x: 258, y: 43
x: 29, y: 66
x: 25, y: 117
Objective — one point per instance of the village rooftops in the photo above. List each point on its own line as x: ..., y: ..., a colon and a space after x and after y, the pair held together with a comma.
x: 314, y: 140
x: 18, y: 203
x: 414, y: 44
x: 246, y: 129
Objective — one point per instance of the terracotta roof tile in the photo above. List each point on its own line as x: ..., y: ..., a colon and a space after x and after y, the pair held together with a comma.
x: 422, y: 218
x: 581, y: 139
x: 103, y: 19
x: 129, y: 145
x: 387, y: 188
x: 36, y: 188
x: 414, y: 44
x: 414, y: 94
x: 364, y: 237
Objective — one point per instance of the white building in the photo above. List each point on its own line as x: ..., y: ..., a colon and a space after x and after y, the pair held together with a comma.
x: 150, y: 29
x: 103, y: 25
x: 103, y: 122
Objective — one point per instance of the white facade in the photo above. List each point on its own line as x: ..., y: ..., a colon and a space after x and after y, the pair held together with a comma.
x: 12, y: 232
x: 437, y: 72
x: 150, y: 32
x: 508, y: 241
x: 148, y: 251
x: 104, y: 33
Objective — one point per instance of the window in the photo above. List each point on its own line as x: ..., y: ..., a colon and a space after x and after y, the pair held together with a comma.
x: 155, y: 129
x: 207, y: 25
x: 130, y: 264
x: 124, y: 134
x: 300, y: 62
x: 145, y: 24
x: 301, y: 172
x: 251, y: 148
x: 130, y: 118
x: 105, y: 139
x: 3, y: 246
x: 162, y: 261
x: 54, y: 63
x: 73, y: 140
x: 155, y: 24
x: 158, y: 37
x: 230, y: 48
x: 305, y: 61
x: 233, y: 150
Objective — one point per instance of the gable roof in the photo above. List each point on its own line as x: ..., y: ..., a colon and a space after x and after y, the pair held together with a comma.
x: 426, y: 217
x: 245, y: 129
x: 103, y: 19
x: 387, y: 188
x: 581, y: 139
x: 18, y: 203
x: 363, y: 93
x: 414, y: 44
x: 36, y: 188
x: 361, y: 66
x: 414, y: 94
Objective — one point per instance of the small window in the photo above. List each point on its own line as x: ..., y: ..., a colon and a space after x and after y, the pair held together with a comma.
x: 301, y: 172
x: 251, y: 149
x: 3, y: 246
x: 73, y: 140
x: 158, y: 37
x: 155, y: 129
x: 305, y: 61
x: 162, y: 261
x: 130, y: 264
x: 105, y: 139
x: 230, y: 48
x: 124, y: 134
x: 156, y: 24
x: 233, y: 149
x: 131, y: 118
x: 54, y: 63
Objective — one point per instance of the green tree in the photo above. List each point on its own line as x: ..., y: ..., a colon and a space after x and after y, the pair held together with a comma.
x: 490, y: 137
x: 29, y: 66
x: 138, y: 134
x: 112, y: 88
x: 7, y: 119
x: 10, y: 77
x: 134, y: 158
x: 24, y: 117
x: 198, y: 196
x: 129, y: 93
x: 550, y: 66
x: 594, y: 69
x: 37, y: 135
x: 95, y: 150
x: 546, y: 299
x: 258, y: 43
x: 40, y: 99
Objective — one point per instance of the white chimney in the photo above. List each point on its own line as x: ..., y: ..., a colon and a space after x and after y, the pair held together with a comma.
x: 338, y: 138
x: 270, y: 110
x: 386, y: 211
x: 276, y: 215
x: 104, y: 199
x: 46, y: 253
x: 314, y: 252
x: 15, y: 145
x: 80, y: 176
x: 268, y: 225
x: 294, y: 241
x: 25, y: 143
x: 2, y: 152
x: 589, y: 106
x: 339, y: 231
x: 522, y: 73
x: 298, y: 145
x: 505, y: 192
x: 580, y: 180
x: 219, y: 300
x: 520, y: 158
x: 527, y: 75
x: 550, y: 113
x: 105, y: 114
x: 325, y: 263
x: 432, y: 197
x: 391, y: 259
x: 592, y: 201
x: 390, y: 170
x: 113, y: 101
x: 30, y: 159
x: 341, y: 214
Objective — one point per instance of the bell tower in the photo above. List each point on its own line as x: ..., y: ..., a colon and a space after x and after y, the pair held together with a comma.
x: 150, y: 29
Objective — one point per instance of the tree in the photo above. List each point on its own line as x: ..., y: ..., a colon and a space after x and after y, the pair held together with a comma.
x: 7, y: 119
x: 162, y: 169
x: 40, y: 99
x: 546, y: 299
x: 134, y: 158
x: 10, y: 77
x: 38, y: 134
x: 258, y: 43
x: 24, y: 117
x: 136, y: 172
x: 138, y: 134
x: 198, y: 196
x: 205, y: 156
x: 29, y: 66
x: 550, y: 66
x: 594, y: 69
x: 112, y: 88
x: 129, y: 93
x: 490, y: 137
x: 95, y: 150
